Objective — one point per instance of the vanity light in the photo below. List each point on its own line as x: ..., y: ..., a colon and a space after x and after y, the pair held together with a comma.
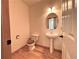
x: 51, y: 10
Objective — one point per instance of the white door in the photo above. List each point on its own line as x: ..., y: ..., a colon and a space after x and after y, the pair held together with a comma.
x: 69, y: 20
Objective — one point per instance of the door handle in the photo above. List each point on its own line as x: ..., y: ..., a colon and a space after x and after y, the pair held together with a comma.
x: 8, y: 42
x: 61, y: 36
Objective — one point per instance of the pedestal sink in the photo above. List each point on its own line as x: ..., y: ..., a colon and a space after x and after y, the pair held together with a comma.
x: 52, y: 36
x: 53, y: 24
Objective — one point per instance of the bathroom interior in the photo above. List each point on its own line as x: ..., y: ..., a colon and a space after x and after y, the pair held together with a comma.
x: 43, y: 29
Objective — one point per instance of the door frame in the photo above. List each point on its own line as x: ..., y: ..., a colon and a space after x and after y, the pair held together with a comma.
x: 5, y: 30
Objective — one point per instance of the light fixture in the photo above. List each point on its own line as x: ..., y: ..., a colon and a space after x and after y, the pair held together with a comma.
x: 51, y: 9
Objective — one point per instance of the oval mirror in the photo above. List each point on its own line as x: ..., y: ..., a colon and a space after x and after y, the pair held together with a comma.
x: 52, y: 21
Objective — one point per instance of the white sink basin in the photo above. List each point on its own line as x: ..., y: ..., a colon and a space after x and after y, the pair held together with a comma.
x: 52, y: 35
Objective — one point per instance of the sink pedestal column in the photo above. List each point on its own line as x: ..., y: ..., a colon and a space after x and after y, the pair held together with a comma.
x: 51, y: 45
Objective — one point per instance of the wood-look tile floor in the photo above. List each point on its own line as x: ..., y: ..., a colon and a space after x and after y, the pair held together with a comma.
x: 37, y: 53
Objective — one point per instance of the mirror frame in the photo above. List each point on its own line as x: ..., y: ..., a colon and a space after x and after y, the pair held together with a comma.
x: 51, y: 15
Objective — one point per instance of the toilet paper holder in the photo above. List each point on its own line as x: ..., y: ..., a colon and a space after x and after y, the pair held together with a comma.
x: 17, y: 36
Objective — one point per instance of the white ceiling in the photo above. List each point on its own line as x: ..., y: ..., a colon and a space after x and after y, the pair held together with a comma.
x: 30, y: 2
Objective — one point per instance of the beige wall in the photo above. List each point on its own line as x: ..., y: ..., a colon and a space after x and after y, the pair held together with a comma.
x: 38, y: 14
x: 19, y: 23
